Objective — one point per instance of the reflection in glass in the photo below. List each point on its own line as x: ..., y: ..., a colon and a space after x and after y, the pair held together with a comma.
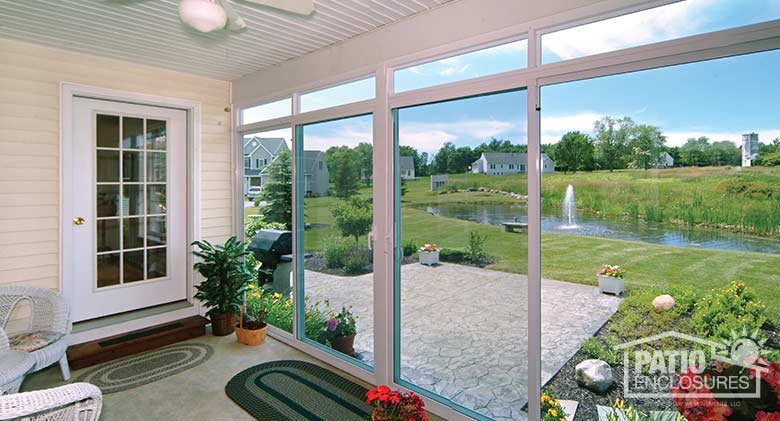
x: 155, y: 167
x: 156, y: 233
x: 132, y: 233
x: 156, y: 263
x: 132, y: 166
x: 107, y: 166
x: 156, y: 199
x: 132, y: 266
x: 107, y: 131
x: 107, y: 235
x: 107, y: 270
x: 107, y: 200
x: 156, y: 134
x: 132, y: 133
x: 132, y: 199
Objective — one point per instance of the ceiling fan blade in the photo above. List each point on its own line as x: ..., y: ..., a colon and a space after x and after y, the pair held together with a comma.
x: 234, y: 21
x: 301, y: 7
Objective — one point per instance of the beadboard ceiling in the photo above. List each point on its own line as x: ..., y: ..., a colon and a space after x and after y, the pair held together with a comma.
x: 149, y: 31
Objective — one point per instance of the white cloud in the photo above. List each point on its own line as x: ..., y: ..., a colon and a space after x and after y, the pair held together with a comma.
x: 342, y: 136
x: 425, y: 140
x: 554, y: 127
x: 429, y: 137
x: 454, y: 70
x: 679, y: 137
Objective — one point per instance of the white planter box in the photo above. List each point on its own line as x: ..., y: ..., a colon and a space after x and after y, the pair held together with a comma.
x: 428, y: 257
x: 611, y: 285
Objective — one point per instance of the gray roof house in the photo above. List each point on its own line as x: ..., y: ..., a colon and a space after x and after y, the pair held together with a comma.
x: 259, y: 152
x: 315, y: 174
x: 406, y: 166
x: 665, y: 160
x: 499, y: 163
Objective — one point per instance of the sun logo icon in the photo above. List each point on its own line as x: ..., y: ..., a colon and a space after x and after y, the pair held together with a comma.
x: 745, y: 347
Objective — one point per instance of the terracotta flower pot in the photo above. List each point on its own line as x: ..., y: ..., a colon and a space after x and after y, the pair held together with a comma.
x: 251, y: 336
x: 222, y: 324
x: 344, y: 344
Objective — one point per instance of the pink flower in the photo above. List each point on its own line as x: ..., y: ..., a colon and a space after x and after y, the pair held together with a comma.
x: 332, y: 324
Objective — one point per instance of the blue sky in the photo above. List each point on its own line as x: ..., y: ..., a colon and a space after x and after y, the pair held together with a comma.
x: 720, y: 99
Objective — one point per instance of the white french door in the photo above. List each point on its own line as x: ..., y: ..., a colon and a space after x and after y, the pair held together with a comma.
x: 125, y: 189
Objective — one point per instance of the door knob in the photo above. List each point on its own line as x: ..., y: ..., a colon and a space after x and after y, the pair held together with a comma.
x: 79, y: 220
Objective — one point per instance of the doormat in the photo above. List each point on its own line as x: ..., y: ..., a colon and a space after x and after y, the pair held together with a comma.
x: 147, y: 367
x: 297, y: 390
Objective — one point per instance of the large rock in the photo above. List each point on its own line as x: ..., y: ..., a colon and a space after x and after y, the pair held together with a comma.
x: 594, y: 375
x: 663, y: 302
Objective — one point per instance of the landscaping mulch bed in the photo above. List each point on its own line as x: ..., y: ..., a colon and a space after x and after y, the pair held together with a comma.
x: 317, y: 263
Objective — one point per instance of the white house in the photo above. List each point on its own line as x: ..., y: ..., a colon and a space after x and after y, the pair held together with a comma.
x: 315, y: 174
x: 665, y: 160
x: 258, y: 153
x: 406, y: 165
x: 499, y: 163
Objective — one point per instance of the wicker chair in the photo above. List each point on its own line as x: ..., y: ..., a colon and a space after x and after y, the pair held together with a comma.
x: 75, y: 401
x: 49, y: 313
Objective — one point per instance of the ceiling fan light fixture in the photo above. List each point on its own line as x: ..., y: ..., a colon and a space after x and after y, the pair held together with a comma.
x: 203, y: 15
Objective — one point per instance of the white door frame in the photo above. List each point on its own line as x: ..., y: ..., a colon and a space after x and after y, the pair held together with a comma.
x: 68, y: 92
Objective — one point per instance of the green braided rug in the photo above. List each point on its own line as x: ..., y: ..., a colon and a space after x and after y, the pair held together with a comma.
x: 297, y: 390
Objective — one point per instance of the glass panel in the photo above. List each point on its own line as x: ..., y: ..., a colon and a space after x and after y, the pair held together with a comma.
x: 488, y: 61
x: 132, y: 199
x: 107, y: 132
x: 156, y: 199
x: 107, y: 200
x: 267, y: 204
x: 155, y: 167
x: 281, y: 108
x: 107, y: 166
x: 346, y: 93
x: 132, y: 266
x: 107, y: 270
x: 156, y: 231
x: 156, y: 134
x: 132, y: 233
x: 132, y: 133
x: 651, y: 175
x: 676, y: 20
x: 462, y: 274
x: 107, y: 235
x: 337, y: 195
x: 156, y: 263
x: 132, y: 166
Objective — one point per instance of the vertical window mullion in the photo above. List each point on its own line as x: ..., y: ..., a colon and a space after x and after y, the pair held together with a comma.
x: 534, y: 254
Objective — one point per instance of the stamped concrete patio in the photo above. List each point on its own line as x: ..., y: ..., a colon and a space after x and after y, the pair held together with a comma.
x: 464, y: 329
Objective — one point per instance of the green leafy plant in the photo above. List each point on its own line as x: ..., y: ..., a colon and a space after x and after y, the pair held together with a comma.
x: 356, y: 261
x: 254, y: 308
x: 277, y: 192
x: 353, y: 217
x: 257, y: 223
x: 336, y: 251
x: 551, y: 409
x: 452, y: 255
x: 225, y: 275
x: 735, y: 308
x: 408, y: 247
x: 475, y: 249
x: 598, y: 350
x: 339, y: 324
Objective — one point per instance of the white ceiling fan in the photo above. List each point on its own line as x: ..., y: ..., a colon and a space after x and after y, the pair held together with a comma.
x: 212, y: 15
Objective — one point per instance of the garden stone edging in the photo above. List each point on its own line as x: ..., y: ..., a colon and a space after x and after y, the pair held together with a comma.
x: 487, y: 190
x: 604, y: 411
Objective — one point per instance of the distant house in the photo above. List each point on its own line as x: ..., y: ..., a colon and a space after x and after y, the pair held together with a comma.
x: 499, y: 163
x: 665, y: 160
x: 407, y: 167
x: 438, y: 181
x: 315, y: 174
x: 258, y: 153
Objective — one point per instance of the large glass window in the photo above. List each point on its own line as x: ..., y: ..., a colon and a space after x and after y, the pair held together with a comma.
x: 676, y: 20
x: 665, y: 183
x: 267, y: 204
x: 462, y: 260
x: 334, y: 185
x: 488, y: 61
x: 346, y: 93
x: 269, y: 111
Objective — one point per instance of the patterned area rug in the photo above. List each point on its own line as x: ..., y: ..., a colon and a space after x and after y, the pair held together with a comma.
x: 147, y: 367
x: 297, y: 390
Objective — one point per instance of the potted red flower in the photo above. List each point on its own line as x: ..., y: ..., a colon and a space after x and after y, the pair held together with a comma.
x: 392, y: 405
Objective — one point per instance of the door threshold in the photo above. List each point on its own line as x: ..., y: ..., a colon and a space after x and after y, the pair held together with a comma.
x: 89, y: 330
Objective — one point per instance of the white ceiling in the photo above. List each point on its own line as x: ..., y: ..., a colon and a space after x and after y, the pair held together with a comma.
x: 149, y: 31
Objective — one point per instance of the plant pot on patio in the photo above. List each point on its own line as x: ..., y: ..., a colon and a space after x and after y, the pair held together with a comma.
x: 222, y: 324
x: 611, y: 279
x: 344, y: 344
x: 429, y: 254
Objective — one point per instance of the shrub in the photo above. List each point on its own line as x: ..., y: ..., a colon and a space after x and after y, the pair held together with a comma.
x: 353, y: 217
x: 735, y: 308
x: 336, y: 250
x: 256, y: 224
x: 409, y: 247
x: 475, y: 249
x: 452, y: 255
x: 356, y: 261
x: 609, y: 352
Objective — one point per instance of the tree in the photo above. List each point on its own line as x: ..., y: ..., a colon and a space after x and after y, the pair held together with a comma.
x: 353, y: 217
x: 645, y: 146
x: 277, y: 191
x: 423, y: 165
x: 442, y: 158
x: 365, y: 152
x: 344, y: 168
x: 724, y: 152
x: 612, y: 136
x: 573, y: 152
x: 499, y: 145
x: 460, y: 159
x: 692, y: 152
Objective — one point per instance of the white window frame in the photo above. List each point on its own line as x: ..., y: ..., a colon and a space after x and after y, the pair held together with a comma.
x: 730, y: 42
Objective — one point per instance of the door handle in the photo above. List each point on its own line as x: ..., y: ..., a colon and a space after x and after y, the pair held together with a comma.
x: 79, y: 220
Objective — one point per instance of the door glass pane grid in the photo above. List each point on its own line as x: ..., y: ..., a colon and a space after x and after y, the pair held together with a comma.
x: 131, y: 200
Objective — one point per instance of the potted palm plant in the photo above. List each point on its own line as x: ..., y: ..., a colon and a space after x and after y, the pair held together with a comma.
x: 611, y: 279
x: 225, y: 276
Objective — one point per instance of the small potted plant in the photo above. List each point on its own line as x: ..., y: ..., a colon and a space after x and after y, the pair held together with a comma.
x: 251, y: 329
x: 340, y: 331
x: 225, y: 276
x: 392, y: 405
x: 611, y: 279
x: 429, y: 254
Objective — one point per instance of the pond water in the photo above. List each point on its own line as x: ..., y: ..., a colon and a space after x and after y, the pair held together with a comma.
x: 665, y: 234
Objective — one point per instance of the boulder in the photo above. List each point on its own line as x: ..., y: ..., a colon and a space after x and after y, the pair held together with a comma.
x: 663, y: 302
x: 594, y: 375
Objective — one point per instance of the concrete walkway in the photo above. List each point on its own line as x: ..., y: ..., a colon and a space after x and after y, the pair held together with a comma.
x: 464, y: 329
